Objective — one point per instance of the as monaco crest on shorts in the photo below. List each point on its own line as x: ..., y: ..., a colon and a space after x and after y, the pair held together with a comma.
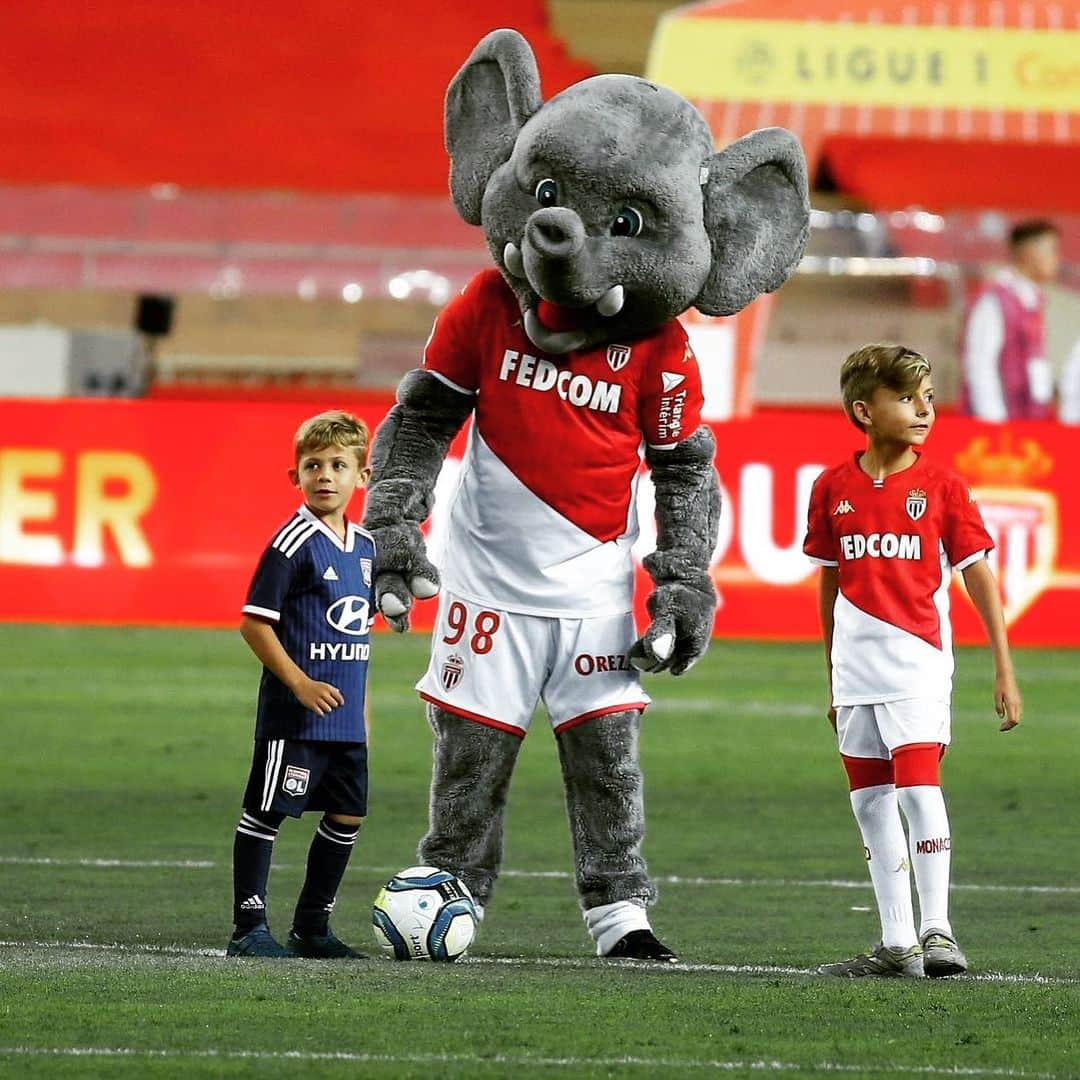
x: 916, y: 503
x: 452, y: 671
x: 618, y: 356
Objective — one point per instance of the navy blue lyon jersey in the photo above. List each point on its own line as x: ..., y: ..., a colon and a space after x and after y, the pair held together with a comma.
x: 316, y: 591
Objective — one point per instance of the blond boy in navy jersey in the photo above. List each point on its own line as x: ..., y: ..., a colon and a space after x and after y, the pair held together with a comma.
x: 307, y: 618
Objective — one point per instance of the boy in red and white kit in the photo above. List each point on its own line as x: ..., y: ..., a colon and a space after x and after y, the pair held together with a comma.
x: 887, y: 528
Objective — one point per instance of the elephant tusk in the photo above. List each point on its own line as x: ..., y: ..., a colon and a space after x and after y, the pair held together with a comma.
x: 552, y: 341
x: 512, y: 260
x: 612, y: 301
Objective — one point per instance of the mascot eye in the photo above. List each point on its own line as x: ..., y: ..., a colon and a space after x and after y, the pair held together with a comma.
x: 627, y: 223
x: 547, y: 193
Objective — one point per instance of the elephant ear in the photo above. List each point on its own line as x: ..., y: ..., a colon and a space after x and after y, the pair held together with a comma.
x: 757, y: 214
x: 488, y: 101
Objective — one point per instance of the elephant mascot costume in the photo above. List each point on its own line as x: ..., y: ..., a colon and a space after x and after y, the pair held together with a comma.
x: 607, y: 213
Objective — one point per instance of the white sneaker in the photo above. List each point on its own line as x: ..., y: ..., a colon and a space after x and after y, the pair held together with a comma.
x: 941, y: 955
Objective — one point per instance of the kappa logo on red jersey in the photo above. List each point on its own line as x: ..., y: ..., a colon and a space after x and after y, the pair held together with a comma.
x: 618, y: 356
x: 452, y: 670
x: 916, y: 503
x: 843, y: 507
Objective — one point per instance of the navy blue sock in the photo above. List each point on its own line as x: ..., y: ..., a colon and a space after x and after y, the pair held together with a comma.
x: 328, y: 856
x: 252, y: 847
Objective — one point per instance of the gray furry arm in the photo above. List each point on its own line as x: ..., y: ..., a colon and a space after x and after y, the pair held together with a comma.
x: 409, y: 449
x: 687, y: 521
x: 687, y: 509
x: 406, y: 457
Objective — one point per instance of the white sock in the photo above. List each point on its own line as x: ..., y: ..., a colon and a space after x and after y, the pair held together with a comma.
x: 610, y: 922
x: 878, y: 813
x: 931, y: 855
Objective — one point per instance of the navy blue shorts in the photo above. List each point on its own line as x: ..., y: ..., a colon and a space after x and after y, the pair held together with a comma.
x: 289, y: 776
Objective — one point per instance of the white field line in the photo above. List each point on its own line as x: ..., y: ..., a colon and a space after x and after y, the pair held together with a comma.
x: 557, y: 875
x: 744, y: 969
x: 521, y: 1061
x: 565, y: 962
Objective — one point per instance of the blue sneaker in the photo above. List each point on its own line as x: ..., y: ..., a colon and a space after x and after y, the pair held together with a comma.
x: 257, y: 942
x: 326, y: 946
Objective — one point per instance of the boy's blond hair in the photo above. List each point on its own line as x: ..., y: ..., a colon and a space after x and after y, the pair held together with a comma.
x: 895, y: 367
x: 333, y: 428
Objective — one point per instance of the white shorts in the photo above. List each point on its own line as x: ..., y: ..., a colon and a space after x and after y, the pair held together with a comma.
x: 875, y: 731
x: 495, y: 666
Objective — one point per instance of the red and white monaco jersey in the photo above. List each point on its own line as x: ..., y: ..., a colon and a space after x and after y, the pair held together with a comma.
x: 543, y: 520
x: 895, y: 542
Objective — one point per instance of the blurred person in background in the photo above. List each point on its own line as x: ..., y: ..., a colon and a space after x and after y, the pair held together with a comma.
x: 1069, y: 391
x: 1005, y: 373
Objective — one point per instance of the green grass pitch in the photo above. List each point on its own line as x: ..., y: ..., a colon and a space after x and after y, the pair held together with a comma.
x: 124, y: 753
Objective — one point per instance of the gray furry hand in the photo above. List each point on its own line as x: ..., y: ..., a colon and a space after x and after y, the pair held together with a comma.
x: 393, y: 599
x: 682, y: 619
x: 402, y: 571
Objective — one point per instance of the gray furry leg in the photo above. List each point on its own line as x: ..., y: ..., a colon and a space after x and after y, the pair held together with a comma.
x: 470, y: 779
x: 606, y: 806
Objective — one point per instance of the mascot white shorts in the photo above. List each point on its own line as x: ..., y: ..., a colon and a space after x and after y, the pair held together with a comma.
x: 495, y: 666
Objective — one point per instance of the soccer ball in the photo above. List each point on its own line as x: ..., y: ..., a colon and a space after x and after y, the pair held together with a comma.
x: 424, y: 913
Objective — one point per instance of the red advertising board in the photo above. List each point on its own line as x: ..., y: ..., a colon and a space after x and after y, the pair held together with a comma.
x: 155, y: 512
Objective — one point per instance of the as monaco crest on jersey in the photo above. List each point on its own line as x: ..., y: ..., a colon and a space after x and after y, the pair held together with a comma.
x: 916, y: 503
x: 618, y: 356
x: 452, y: 671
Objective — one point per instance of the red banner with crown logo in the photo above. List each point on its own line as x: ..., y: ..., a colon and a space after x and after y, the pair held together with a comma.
x: 155, y: 512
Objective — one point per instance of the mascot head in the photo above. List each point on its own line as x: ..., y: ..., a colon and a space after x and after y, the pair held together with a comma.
x: 606, y: 208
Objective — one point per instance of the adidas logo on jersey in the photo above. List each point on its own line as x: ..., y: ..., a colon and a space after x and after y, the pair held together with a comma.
x: 881, y: 546
x: 330, y: 574
x: 543, y: 375
x: 843, y: 507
